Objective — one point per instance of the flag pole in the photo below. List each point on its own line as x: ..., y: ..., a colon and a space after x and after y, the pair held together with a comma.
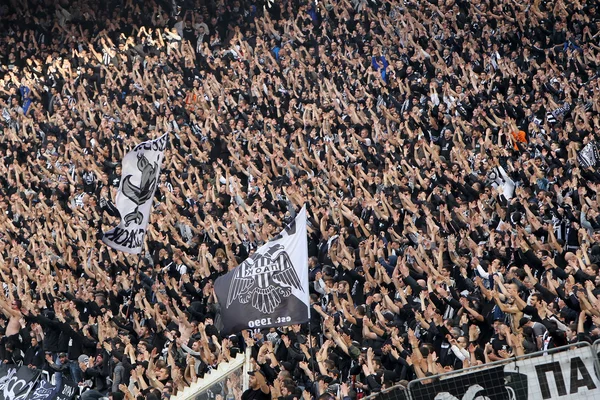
x: 137, y: 274
x: 310, y: 343
x: 134, y: 203
x: 137, y: 267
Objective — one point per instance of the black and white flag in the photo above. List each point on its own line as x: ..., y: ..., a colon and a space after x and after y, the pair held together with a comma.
x: 139, y: 180
x: 43, y: 391
x: 588, y: 156
x: 17, y: 382
x: 68, y: 391
x: 270, y: 288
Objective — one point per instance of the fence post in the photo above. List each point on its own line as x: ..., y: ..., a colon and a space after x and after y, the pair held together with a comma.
x: 596, y: 350
x: 216, y: 379
x: 246, y: 369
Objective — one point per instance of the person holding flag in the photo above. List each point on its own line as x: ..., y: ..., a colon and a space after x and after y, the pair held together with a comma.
x: 140, y: 176
x: 270, y: 288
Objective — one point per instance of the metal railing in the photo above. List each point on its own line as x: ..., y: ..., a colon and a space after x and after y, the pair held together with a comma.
x: 216, y: 381
x: 596, y: 350
x: 507, y: 379
x: 503, y: 379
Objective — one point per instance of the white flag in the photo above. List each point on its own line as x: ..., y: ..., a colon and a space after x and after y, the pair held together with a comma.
x: 588, y: 156
x: 139, y: 180
x: 270, y: 288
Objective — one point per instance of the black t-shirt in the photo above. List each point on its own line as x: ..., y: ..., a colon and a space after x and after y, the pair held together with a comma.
x: 499, y: 344
x: 188, y: 34
x: 251, y: 394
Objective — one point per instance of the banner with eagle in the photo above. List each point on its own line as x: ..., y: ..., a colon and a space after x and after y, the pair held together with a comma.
x: 270, y: 288
x: 139, y: 180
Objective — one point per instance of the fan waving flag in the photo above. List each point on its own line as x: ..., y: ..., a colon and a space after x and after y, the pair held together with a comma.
x: 270, y: 288
x: 588, y: 156
x: 139, y: 180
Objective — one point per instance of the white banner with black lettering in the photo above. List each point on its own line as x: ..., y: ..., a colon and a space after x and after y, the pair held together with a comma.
x: 565, y: 375
x: 139, y: 180
x: 270, y: 288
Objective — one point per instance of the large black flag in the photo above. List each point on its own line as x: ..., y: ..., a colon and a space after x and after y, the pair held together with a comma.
x: 16, y: 382
x: 44, y: 391
x: 68, y: 390
x: 270, y: 288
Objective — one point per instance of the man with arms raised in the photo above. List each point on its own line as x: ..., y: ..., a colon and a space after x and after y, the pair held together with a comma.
x: 258, y: 390
x: 12, y: 311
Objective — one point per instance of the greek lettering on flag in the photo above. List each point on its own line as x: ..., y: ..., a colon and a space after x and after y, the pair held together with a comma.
x: 139, y: 180
x: 270, y: 288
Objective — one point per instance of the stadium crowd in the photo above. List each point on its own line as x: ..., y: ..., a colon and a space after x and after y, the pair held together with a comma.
x: 445, y: 151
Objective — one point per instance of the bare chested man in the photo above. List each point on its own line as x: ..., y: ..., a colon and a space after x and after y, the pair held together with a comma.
x: 12, y: 311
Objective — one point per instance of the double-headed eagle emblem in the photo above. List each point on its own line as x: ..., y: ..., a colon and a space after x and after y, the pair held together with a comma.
x: 264, y: 279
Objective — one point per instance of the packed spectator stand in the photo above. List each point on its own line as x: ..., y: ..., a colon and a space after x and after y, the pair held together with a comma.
x: 445, y: 151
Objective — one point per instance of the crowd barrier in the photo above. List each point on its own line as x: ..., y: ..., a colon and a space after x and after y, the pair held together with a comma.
x: 228, y: 381
x: 565, y: 373
x: 220, y: 381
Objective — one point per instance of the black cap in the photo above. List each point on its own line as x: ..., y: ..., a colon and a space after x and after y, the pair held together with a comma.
x: 211, y: 331
x: 346, y: 330
x: 325, y: 378
x: 389, y: 376
x: 118, y: 355
x: 523, y: 321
